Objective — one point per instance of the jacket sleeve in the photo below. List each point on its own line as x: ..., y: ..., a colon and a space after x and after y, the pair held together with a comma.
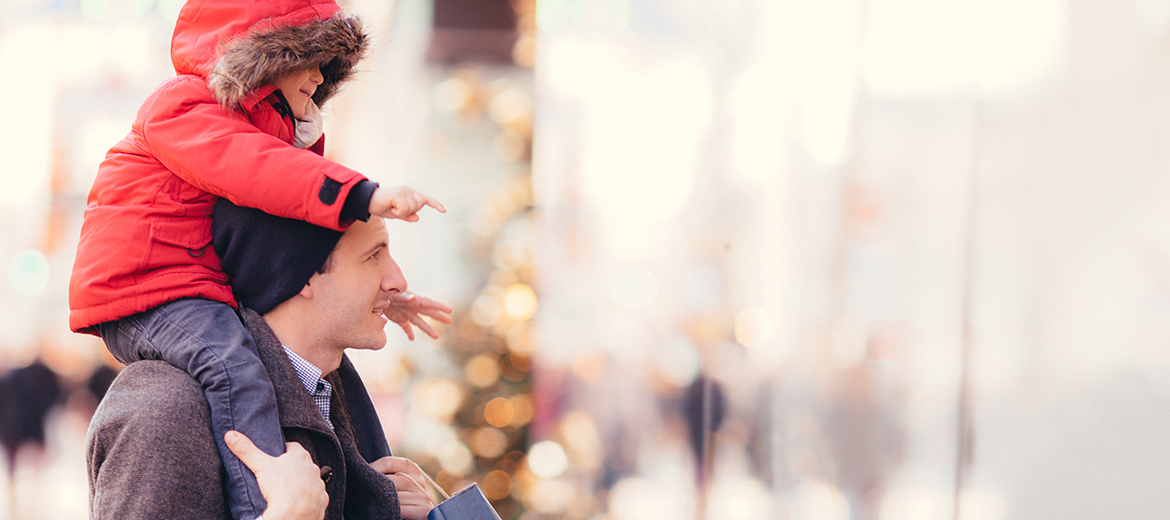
x: 223, y: 153
x: 149, y: 449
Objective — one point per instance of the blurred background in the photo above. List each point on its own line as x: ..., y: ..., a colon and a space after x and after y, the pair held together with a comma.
x: 736, y: 259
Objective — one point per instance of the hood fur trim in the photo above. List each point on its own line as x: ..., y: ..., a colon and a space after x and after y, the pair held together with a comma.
x: 335, y: 45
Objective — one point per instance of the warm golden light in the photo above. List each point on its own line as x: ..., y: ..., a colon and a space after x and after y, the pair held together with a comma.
x: 482, y: 370
x: 486, y: 310
x: 523, y: 410
x: 438, y: 399
x: 550, y: 496
x: 488, y: 443
x: 520, y: 302
x: 455, y: 458
x: 499, y: 412
x: 582, y: 439
x: 519, y: 338
x: 497, y: 485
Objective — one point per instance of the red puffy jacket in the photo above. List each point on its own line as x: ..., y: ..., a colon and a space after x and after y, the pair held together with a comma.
x: 218, y: 129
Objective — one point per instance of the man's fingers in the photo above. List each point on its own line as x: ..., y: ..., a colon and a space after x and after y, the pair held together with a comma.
x: 408, y: 308
x: 424, y: 326
x: 392, y: 464
x: 436, y: 315
x: 243, y: 447
x: 381, y: 465
x: 405, y: 297
x: 430, y: 304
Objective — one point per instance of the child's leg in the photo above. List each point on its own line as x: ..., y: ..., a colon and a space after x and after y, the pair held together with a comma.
x: 208, y: 341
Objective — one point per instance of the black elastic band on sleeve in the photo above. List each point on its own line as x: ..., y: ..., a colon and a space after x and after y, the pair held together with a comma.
x: 357, y: 203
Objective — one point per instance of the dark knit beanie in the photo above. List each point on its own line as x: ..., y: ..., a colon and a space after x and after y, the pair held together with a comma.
x: 269, y: 258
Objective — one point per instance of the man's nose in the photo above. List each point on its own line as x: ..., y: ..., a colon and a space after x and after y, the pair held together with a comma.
x: 393, y: 281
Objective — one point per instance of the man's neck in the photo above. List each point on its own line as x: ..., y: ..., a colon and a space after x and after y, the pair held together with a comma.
x: 297, y: 333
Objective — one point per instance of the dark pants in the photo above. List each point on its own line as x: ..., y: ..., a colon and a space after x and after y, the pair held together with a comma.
x: 208, y: 341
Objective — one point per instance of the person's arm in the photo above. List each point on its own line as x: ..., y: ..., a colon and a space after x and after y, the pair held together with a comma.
x: 221, y: 152
x: 291, y: 483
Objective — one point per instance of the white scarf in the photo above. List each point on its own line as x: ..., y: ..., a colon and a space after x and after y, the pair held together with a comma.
x: 309, y: 128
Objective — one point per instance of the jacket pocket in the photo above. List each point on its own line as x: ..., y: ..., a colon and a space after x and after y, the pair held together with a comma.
x: 180, y: 241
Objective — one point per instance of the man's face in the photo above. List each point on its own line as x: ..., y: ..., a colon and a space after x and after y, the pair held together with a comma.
x: 352, y: 294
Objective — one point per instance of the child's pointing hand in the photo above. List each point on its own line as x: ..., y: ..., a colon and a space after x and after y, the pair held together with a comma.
x: 401, y: 202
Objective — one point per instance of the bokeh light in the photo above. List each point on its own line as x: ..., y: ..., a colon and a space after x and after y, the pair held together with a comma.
x: 486, y: 310
x: 514, y: 368
x: 520, y: 302
x: 437, y: 398
x: 549, y: 496
x: 583, y: 439
x: 499, y: 412
x: 482, y: 371
x: 497, y: 484
x: 547, y: 459
x: 522, y: 410
x: 519, y: 338
x: 645, y: 499
x: 488, y: 442
x: 455, y: 457
x: 742, y: 498
x: 28, y: 272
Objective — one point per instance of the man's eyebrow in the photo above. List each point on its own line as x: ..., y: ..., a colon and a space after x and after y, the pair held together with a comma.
x: 371, y: 250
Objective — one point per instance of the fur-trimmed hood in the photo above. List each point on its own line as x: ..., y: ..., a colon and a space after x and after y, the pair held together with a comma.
x: 239, y: 46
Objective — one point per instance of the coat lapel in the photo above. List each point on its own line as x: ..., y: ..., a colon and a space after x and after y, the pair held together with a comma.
x: 295, y: 406
x: 367, y: 493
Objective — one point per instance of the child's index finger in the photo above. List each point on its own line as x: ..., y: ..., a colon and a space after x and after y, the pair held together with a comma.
x: 432, y: 202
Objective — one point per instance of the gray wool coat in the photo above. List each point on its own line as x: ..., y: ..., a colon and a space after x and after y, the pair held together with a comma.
x: 150, y: 452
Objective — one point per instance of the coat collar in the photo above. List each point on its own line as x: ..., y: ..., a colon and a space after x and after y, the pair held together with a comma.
x: 293, y: 403
x: 358, y: 437
x: 296, y: 407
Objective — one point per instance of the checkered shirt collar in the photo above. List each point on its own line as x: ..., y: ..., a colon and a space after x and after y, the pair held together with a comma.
x: 319, y: 389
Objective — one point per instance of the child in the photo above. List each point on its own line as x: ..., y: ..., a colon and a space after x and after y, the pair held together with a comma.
x: 239, y: 121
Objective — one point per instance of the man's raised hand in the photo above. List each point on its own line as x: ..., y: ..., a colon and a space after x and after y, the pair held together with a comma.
x: 407, y: 308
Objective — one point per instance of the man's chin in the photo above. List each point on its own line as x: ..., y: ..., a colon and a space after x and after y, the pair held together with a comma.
x: 377, y: 341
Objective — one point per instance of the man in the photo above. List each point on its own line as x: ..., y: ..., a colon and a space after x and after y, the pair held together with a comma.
x: 307, y: 294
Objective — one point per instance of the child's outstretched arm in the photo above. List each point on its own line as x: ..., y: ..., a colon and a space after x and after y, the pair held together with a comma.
x: 407, y: 308
x: 401, y: 202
